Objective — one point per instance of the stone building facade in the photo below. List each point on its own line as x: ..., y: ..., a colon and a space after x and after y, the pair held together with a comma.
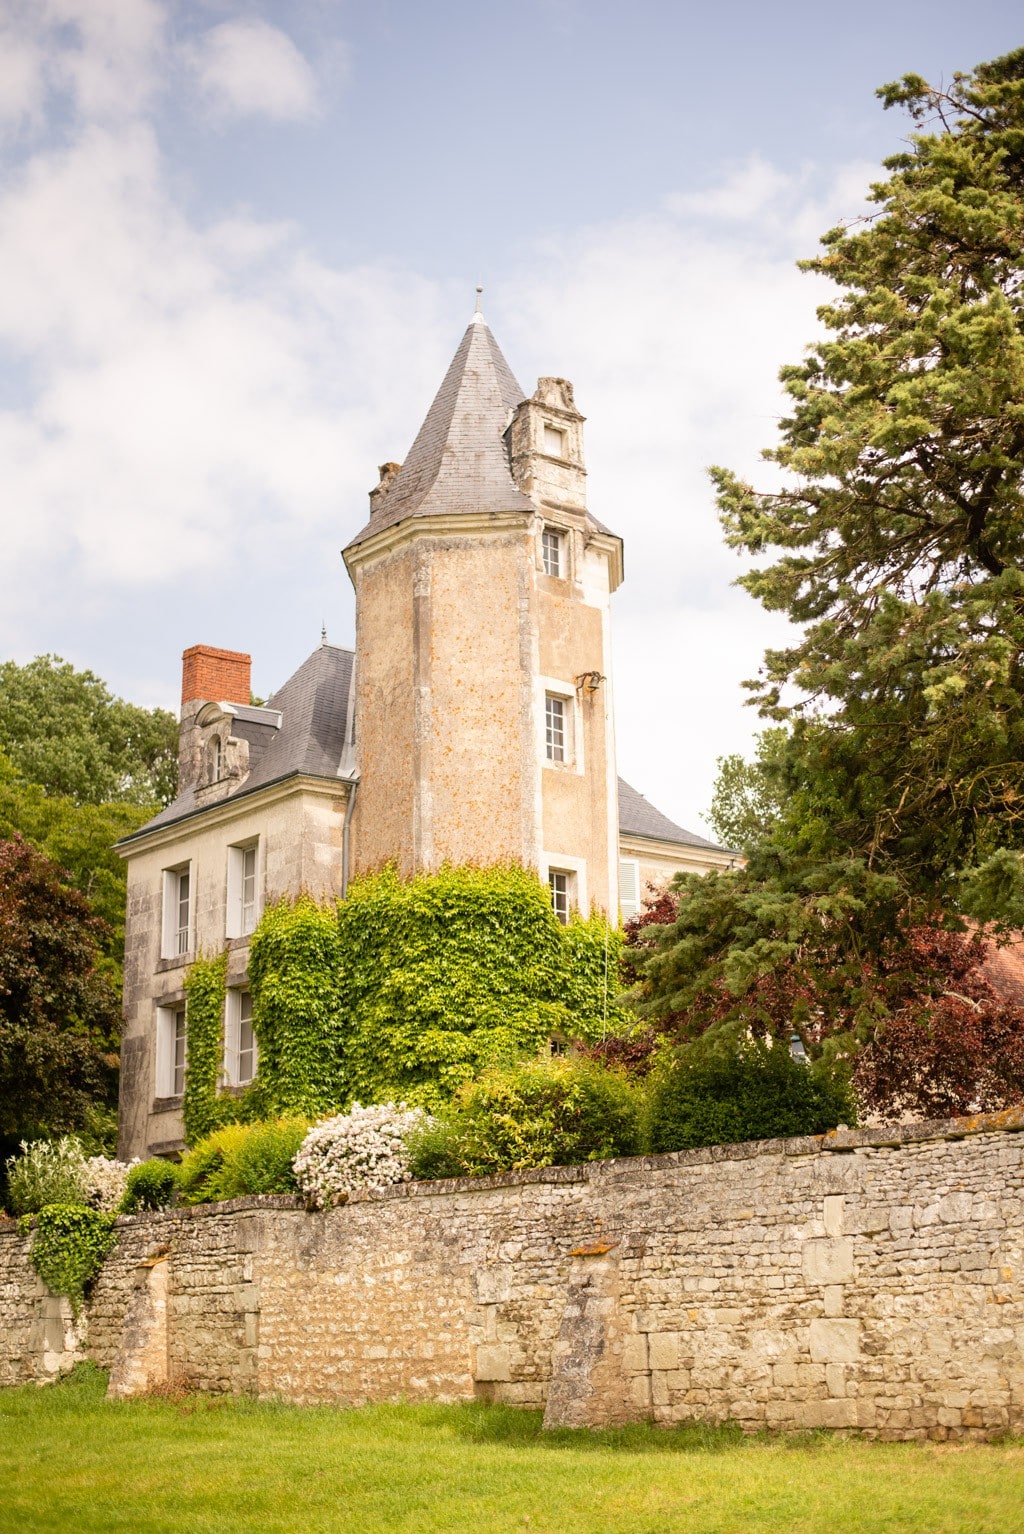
x: 473, y: 723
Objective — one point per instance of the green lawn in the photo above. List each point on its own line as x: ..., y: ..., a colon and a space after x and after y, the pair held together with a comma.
x: 71, y: 1461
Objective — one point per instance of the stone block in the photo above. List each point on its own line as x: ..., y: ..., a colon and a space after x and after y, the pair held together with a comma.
x: 663, y: 1350
x: 835, y: 1342
x: 634, y: 1354
x: 828, y: 1260
x: 828, y: 1413
x: 833, y: 1215
x: 493, y: 1363
x: 835, y: 1298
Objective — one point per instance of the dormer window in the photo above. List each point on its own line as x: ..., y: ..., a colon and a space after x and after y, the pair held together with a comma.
x: 554, y: 441
x: 216, y: 757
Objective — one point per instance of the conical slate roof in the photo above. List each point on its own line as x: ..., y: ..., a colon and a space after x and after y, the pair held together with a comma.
x: 458, y: 461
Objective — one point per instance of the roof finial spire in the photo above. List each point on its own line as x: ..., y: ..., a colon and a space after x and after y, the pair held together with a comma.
x: 323, y: 632
x: 478, y: 314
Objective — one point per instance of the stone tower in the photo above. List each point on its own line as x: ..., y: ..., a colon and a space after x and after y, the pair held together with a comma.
x: 483, y: 701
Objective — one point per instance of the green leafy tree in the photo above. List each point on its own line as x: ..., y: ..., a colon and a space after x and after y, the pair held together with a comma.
x: 896, y: 545
x: 59, y: 1018
x: 65, y: 731
x: 749, y: 796
x: 901, y: 523
x: 80, y: 838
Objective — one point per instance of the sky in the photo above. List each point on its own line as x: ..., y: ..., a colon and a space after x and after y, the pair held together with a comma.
x: 239, y: 244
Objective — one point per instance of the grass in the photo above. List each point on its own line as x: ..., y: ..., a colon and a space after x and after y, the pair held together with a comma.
x: 70, y: 1460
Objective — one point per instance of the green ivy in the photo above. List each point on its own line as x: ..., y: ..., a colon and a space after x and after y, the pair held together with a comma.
x: 69, y: 1247
x: 204, y: 1108
x: 405, y: 990
x: 294, y: 968
x: 447, y: 974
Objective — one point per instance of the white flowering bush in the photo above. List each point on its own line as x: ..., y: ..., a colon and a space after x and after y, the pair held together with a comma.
x: 59, y: 1172
x: 104, y: 1182
x: 364, y: 1148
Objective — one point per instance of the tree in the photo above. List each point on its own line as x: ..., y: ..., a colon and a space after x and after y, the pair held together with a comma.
x: 897, y: 546
x: 63, y: 730
x: 80, y: 838
x: 748, y: 797
x: 59, y: 1020
x: 901, y: 526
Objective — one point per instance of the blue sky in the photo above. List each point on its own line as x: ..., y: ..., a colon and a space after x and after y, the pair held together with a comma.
x: 238, y: 245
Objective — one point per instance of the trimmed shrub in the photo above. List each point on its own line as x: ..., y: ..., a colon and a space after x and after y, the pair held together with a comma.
x: 751, y: 1091
x: 364, y: 1148
x: 150, y: 1185
x: 46, y: 1172
x: 546, y: 1112
x: 241, y: 1159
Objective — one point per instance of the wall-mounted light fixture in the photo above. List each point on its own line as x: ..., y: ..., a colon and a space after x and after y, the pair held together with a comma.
x: 588, y: 681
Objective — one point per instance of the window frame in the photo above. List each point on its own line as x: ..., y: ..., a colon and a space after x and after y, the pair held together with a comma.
x: 241, y: 916
x: 549, y: 430
x: 554, y: 688
x: 560, y: 882
x: 235, y: 1020
x: 171, y: 1049
x: 553, y: 551
x: 556, y: 734
x: 177, y: 940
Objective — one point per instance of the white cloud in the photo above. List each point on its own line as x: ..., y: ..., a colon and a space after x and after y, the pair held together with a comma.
x: 250, y: 68
x: 22, y: 86
x: 197, y: 402
x: 673, y: 330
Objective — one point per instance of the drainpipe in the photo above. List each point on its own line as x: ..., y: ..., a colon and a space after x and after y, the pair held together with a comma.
x: 350, y: 806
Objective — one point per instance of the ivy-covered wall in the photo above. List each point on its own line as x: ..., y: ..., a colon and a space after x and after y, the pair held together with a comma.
x: 405, y: 990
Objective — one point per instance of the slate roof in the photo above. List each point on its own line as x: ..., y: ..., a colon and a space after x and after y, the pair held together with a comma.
x: 314, y: 736
x: 639, y: 818
x: 459, y: 461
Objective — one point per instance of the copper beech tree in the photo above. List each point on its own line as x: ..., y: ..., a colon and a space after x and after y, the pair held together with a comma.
x: 59, y: 1023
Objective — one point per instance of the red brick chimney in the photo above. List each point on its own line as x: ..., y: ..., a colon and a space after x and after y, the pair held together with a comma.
x: 215, y: 676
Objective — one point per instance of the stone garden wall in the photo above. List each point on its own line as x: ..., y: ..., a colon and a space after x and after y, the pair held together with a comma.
x: 867, y: 1281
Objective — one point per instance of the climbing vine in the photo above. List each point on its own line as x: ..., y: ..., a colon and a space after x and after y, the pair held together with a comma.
x: 203, y: 1107
x: 294, y: 966
x: 69, y: 1245
x: 403, y: 992
x: 446, y: 974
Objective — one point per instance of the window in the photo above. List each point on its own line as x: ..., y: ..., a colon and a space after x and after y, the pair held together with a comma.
x: 554, y: 728
x: 246, y: 1038
x: 171, y: 1047
x: 629, y: 888
x: 216, y: 759
x: 243, y: 889
x: 558, y: 880
x: 554, y: 441
x: 551, y: 546
x: 177, y: 934
x: 240, y: 1052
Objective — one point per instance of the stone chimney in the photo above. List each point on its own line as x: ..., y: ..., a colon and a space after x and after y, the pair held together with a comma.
x: 215, y: 676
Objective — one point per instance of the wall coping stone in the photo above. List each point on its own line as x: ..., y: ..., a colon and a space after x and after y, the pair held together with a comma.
x: 622, y: 1168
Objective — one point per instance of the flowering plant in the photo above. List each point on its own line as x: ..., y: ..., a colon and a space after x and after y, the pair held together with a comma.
x: 364, y: 1148
x: 104, y: 1181
x: 59, y: 1172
